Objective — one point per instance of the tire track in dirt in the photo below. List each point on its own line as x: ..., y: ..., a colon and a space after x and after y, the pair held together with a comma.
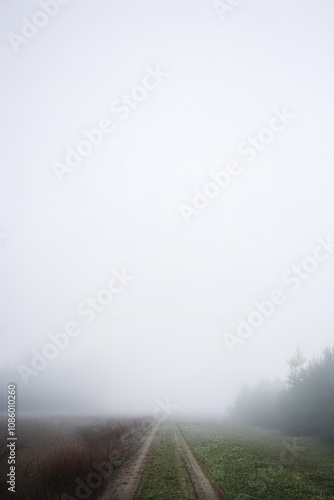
x: 128, y: 483
x: 204, y: 487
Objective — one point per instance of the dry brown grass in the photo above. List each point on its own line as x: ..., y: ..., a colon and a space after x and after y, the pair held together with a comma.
x: 56, y: 454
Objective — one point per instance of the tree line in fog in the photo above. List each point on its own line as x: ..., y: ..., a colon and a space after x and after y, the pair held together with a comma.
x: 302, y: 405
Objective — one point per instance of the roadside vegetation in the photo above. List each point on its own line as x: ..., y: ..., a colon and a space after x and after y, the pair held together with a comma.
x: 165, y: 477
x: 277, y: 444
x: 249, y: 463
x: 302, y: 406
x: 69, y: 458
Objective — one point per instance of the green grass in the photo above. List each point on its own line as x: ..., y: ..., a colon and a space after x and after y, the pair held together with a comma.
x: 165, y: 477
x: 254, y: 464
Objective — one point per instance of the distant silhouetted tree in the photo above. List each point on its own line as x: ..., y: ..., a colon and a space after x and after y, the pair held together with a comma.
x: 304, y: 405
x: 296, y: 370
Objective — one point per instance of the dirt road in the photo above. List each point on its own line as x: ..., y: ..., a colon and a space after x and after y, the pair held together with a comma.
x: 203, y: 487
x: 128, y: 483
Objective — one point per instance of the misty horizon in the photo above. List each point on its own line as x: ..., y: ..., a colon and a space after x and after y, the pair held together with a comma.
x: 166, y: 232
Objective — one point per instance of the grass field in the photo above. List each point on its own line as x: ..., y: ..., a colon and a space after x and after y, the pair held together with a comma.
x: 165, y: 477
x: 256, y: 464
x: 56, y: 454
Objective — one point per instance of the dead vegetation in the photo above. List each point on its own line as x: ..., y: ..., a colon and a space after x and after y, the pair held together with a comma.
x: 61, y: 458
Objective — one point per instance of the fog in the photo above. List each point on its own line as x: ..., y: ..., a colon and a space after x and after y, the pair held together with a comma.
x: 127, y: 214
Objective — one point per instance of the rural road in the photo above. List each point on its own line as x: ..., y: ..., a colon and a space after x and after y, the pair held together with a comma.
x: 128, y: 484
x: 203, y: 487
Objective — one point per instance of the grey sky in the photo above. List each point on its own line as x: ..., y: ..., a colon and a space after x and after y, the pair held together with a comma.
x: 120, y: 208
